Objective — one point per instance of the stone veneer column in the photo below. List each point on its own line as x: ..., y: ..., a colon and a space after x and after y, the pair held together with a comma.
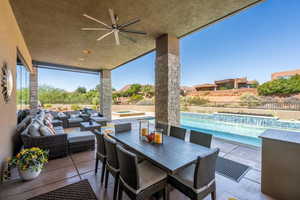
x: 105, y: 93
x: 33, y: 88
x: 167, y: 80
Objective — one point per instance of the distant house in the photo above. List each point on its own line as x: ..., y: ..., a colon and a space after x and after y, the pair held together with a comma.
x: 233, y: 83
x: 285, y: 74
x: 206, y: 87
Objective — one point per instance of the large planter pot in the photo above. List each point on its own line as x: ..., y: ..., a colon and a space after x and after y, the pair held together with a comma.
x: 29, y: 174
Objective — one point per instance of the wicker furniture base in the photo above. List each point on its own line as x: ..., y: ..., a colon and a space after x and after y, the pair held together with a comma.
x: 75, y: 147
x: 76, y: 191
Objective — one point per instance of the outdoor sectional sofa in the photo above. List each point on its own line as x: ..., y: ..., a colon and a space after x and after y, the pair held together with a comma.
x: 74, y: 118
x: 60, y: 144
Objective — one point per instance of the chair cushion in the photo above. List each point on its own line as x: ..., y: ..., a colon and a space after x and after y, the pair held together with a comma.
x: 149, y: 174
x: 80, y: 136
x: 75, y: 120
x: 186, y: 175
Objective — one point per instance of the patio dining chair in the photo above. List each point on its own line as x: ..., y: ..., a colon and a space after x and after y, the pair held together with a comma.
x: 139, y: 180
x: 178, y: 132
x: 197, y: 180
x: 101, y: 153
x: 112, y: 163
x: 162, y: 126
x: 200, y: 138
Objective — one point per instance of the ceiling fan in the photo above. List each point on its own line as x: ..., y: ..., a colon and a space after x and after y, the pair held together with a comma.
x: 114, y: 28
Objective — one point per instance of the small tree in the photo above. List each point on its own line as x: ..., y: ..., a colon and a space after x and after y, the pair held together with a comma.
x: 248, y: 99
x: 81, y: 90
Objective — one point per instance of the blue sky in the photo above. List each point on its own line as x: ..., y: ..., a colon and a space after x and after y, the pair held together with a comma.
x: 253, y: 44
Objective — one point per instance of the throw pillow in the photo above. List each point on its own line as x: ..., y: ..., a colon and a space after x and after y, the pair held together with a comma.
x: 94, y: 114
x: 49, y: 116
x: 45, y: 131
x: 60, y: 114
x: 74, y: 115
x: 33, y: 129
x: 50, y: 126
x: 47, y: 122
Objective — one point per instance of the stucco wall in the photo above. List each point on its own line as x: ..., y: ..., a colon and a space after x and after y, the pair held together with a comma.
x: 10, y: 40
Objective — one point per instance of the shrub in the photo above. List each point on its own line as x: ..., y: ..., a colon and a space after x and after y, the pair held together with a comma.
x: 75, y: 107
x: 48, y: 106
x: 95, y: 107
x: 197, y: 101
x: 280, y: 86
x: 291, y: 100
x: 146, y: 102
x: 248, y: 99
x: 135, y: 98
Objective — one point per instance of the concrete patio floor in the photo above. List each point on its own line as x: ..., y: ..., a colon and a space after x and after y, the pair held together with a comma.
x: 64, y: 171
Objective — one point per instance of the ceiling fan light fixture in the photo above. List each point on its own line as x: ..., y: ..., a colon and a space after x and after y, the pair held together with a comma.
x: 114, y: 28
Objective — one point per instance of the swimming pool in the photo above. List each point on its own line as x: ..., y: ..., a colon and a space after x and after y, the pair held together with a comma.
x: 238, y: 128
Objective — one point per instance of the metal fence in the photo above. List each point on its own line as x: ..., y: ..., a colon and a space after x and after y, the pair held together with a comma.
x: 255, y: 105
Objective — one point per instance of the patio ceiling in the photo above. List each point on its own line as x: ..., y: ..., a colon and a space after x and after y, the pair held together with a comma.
x: 52, y: 28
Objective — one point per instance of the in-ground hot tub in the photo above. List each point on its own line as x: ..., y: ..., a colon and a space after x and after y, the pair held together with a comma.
x: 128, y: 113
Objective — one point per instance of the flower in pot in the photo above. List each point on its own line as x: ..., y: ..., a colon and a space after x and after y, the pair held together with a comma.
x: 29, y: 162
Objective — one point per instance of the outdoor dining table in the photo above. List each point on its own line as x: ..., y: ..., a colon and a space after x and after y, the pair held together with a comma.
x: 170, y: 156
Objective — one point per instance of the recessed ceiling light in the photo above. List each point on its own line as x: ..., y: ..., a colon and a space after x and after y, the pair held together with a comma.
x: 87, y: 51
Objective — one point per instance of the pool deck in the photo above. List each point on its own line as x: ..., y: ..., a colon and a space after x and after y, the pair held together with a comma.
x: 64, y: 171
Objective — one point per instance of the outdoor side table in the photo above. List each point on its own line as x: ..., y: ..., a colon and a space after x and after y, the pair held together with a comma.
x: 89, y: 126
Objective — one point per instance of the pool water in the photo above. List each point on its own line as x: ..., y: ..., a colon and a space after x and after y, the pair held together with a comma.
x: 237, y: 128
x: 125, y: 111
x: 241, y: 133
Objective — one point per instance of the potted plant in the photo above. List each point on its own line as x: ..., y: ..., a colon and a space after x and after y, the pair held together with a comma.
x: 29, y: 162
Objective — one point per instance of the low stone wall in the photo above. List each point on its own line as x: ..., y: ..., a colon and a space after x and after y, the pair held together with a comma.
x: 150, y: 108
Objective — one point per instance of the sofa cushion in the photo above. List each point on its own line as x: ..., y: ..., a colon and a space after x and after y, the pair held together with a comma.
x: 99, y: 119
x: 61, y: 114
x: 45, y: 131
x: 75, y: 120
x: 59, y: 130
x: 34, y: 129
x: 22, y: 126
x: 54, y: 114
x: 80, y: 136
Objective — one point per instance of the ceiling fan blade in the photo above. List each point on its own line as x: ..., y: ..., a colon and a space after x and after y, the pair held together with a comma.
x: 103, y: 36
x: 112, y: 16
x: 127, y: 37
x: 117, y: 37
x: 132, y: 31
x: 96, y: 20
x: 95, y: 29
x: 129, y: 23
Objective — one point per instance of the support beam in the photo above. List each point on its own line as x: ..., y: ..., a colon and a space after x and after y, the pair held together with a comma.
x: 33, y: 88
x: 105, y: 93
x: 167, y: 80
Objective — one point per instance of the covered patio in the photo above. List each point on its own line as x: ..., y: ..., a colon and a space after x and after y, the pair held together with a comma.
x: 48, y: 33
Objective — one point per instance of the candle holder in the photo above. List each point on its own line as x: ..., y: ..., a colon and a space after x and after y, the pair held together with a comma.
x: 143, y: 129
x: 158, y: 136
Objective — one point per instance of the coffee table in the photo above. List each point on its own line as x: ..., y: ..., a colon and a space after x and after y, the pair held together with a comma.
x: 89, y: 126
